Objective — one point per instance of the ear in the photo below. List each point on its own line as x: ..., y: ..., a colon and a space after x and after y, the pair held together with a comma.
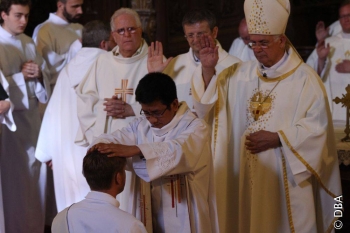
x: 3, y: 15
x: 283, y: 40
x: 215, y: 32
x: 60, y: 6
x: 103, y: 45
x: 175, y: 104
x: 118, y: 178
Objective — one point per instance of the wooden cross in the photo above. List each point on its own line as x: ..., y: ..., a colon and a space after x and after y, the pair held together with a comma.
x: 124, y: 90
x: 346, y: 103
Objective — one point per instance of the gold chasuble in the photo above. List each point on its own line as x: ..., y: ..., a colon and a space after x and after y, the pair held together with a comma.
x: 290, y: 188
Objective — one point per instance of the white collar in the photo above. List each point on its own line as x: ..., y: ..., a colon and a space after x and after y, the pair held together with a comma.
x: 103, y: 197
x: 183, y: 108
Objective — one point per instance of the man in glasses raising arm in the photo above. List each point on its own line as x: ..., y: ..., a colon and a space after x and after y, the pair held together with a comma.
x: 169, y: 149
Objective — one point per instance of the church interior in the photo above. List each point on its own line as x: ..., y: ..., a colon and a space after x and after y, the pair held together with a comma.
x: 161, y: 21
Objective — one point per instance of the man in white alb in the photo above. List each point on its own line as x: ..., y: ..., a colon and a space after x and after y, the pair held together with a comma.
x: 240, y: 47
x: 274, y: 128
x: 195, y: 23
x: 99, y: 211
x: 169, y: 149
x: 57, y: 39
x: 60, y: 122
x: 23, y: 177
x: 106, y: 100
x: 332, y: 63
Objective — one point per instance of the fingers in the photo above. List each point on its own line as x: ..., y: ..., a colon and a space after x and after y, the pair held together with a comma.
x: 155, y: 49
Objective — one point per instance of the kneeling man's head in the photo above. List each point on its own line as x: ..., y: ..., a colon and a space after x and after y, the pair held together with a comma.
x: 103, y: 173
x: 156, y: 92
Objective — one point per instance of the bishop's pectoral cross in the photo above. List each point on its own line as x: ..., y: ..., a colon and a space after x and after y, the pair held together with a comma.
x: 346, y: 103
x: 124, y: 90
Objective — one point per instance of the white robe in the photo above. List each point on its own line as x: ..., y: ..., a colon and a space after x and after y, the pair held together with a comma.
x: 181, y: 69
x: 54, y: 38
x: 335, y: 82
x: 7, y: 118
x: 242, y: 51
x: 178, y: 165
x: 98, y: 212
x: 57, y: 133
x: 23, y: 177
x: 286, y: 189
x: 106, y: 74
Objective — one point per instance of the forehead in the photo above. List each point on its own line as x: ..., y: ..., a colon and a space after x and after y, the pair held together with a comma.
x: 154, y: 106
x: 74, y: 2
x: 344, y: 10
x: 19, y: 9
x: 199, y: 26
x: 256, y: 37
x: 125, y: 20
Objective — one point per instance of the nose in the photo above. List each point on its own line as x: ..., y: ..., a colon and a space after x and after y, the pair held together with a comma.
x: 127, y: 33
x: 24, y: 19
x: 80, y: 10
x: 152, y: 120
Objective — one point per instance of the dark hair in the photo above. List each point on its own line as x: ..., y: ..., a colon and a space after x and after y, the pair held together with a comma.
x: 5, y: 5
x: 344, y: 3
x: 156, y: 86
x: 199, y: 15
x: 94, y: 32
x: 99, y: 170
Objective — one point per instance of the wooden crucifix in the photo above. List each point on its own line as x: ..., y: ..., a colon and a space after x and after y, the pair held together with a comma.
x: 345, y: 103
x: 124, y: 90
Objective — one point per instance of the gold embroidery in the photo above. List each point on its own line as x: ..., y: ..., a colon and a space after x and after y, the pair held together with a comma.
x: 306, y: 164
x: 283, y: 76
x: 286, y: 191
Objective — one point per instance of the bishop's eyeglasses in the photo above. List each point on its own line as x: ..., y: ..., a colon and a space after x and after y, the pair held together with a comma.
x: 254, y: 45
x: 131, y: 30
x: 153, y: 114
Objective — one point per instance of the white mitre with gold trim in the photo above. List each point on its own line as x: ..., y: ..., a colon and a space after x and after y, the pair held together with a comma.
x: 267, y: 17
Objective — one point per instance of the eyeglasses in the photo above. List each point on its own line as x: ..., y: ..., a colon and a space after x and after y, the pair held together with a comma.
x: 263, y: 45
x: 131, y: 30
x: 195, y: 35
x: 344, y: 16
x: 155, y: 115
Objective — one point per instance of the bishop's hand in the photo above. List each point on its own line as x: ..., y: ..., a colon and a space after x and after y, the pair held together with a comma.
x: 155, y: 61
x: 261, y: 141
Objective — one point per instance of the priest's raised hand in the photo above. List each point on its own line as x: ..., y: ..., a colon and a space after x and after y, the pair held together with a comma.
x: 209, y: 57
x: 156, y: 62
